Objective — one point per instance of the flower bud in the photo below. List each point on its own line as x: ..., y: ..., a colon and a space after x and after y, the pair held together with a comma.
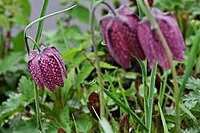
x: 47, y: 68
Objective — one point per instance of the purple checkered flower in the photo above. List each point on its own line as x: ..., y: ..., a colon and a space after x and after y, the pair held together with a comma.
x: 120, y: 35
x: 47, y: 68
x: 151, y: 43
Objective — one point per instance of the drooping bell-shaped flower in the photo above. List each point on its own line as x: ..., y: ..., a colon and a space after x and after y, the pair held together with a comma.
x: 151, y: 43
x: 47, y: 68
x: 120, y: 35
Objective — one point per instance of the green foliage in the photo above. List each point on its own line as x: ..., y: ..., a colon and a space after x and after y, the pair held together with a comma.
x: 81, y: 13
x: 17, y: 102
x: 10, y: 106
x: 14, y: 12
x: 84, y: 123
x: 130, y: 90
x: 190, y: 6
x: 9, y: 63
x: 4, y: 22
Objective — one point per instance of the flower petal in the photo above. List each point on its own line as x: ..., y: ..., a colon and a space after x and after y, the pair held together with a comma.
x: 52, y: 51
x: 127, y: 16
x: 145, y: 37
x: 104, y: 24
x: 46, y: 66
x: 34, y: 70
x: 116, y: 43
x: 171, y: 32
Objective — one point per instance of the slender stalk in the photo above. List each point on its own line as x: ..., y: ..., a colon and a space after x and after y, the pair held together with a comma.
x: 101, y: 97
x: 98, y: 68
x: 34, y: 42
x: 110, y: 8
x: 146, y: 9
x: 40, y: 19
x: 37, y: 108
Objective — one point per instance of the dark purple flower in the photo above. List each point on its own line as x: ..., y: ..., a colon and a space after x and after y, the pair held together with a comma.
x: 47, y: 68
x: 120, y: 36
x: 151, y: 43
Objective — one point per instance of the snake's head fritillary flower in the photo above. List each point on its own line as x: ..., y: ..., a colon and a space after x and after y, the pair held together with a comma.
x: 47, y: 68
x: 151, y: 43
x: 120, y: 35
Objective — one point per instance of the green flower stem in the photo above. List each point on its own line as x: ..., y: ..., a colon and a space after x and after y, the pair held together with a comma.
x: 41, y: 22
x: 37, y: 108
x: 40, y: 19
x: 34, y: 42
x: 111, y: 9
x: 98, y: 68
x: 146, y: 9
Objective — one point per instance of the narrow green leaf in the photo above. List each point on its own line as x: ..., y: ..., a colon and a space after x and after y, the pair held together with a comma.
x: 163, y: 119
x: 151, y: 97
x: 106, y: 65
x: 41, y: 23
x: 191, y: 61
x: 127, y: 109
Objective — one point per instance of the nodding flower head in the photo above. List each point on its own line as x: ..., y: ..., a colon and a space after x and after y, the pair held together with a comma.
x: 151, y: 43
x: 47, y: 68
x: 120, y: 36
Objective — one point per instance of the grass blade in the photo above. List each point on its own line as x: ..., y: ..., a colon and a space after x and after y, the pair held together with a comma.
x: 191, y: 61
x: 127, y: 109
x: 163, y: 119
x: 151, y: 96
